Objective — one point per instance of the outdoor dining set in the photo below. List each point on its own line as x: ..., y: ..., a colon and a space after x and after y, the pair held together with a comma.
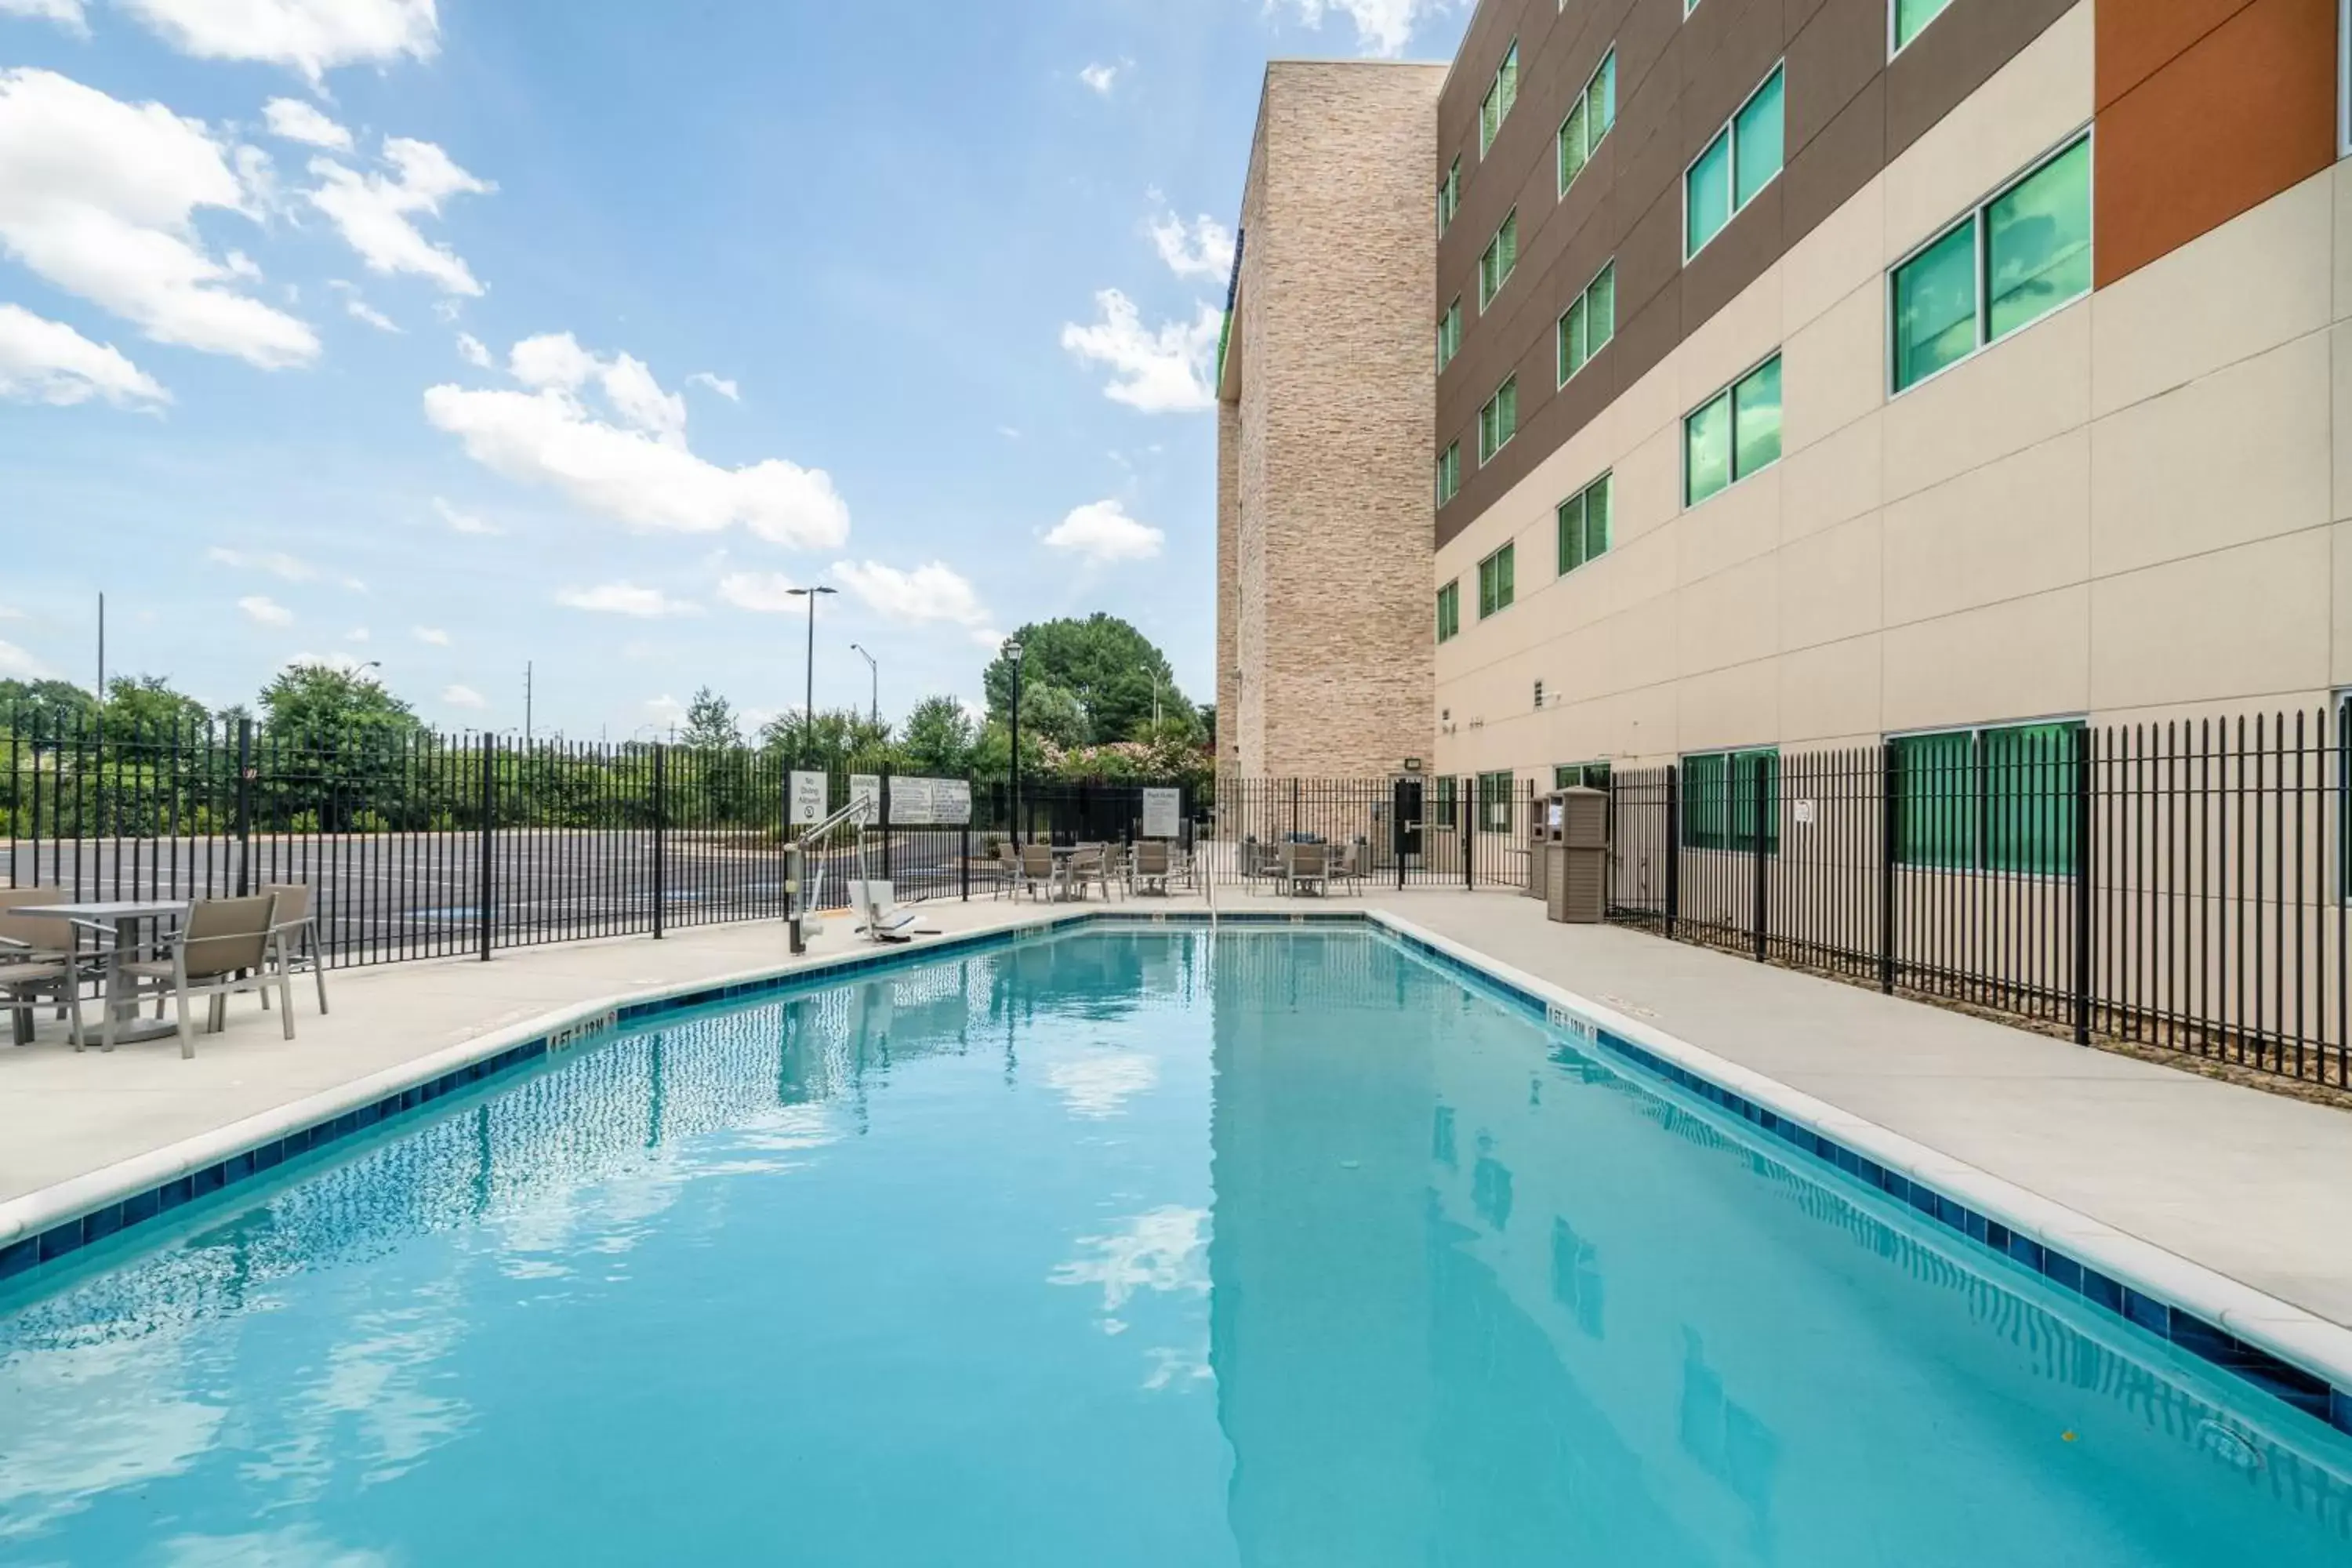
x: 114, y: 957
x: 1058, y: 871
x: 1304, y: 865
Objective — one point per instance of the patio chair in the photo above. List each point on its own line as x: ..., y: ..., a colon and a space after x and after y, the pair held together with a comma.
x: 1306, y: 866
x: 1151, y: 867
x: 26, y: 987
x: 298, y: 930
x: 1007, y: 868
x: 1346, y: 865
x: 1090, y: 864
x: 24, y: 939
x: 226, y: 946
x: 1038, y: 870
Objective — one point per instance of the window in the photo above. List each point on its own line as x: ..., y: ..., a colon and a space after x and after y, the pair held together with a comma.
x: 1584, y: 526
x: 1449, y: 472
x: 1449, y: 333
x: 1910, y: 17
x: 1449, y: 198
x: 1744, y: 158
x: 1580, y: 775
x: 1987, y: 800
x: 1449, y: 611
x: 1495, y: 801
x: 1734, y: 433
x: 1496, y: 588
x: 2005, y: 266
x: 1589, y: 323
x: 1498, y: 421
x: 1440, y: 810
x: 1501, y: 259
x: 1719, y: 800
x: 1588, y: 122
x: 1496, y: 107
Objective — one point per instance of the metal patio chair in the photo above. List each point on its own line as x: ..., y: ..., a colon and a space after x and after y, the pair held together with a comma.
x: 297, y: 932
x: 226, y: 946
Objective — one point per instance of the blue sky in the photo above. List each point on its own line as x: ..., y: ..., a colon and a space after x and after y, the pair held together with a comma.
x: 459, y: 336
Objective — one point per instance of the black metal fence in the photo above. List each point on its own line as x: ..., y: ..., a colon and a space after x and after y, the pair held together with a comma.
x: 2180, y: 885
x: 1416, y: 832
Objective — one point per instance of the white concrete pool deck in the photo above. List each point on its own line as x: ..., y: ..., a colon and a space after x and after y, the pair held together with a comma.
x: 2251, y: 1185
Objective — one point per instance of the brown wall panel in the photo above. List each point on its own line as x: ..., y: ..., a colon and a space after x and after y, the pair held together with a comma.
x: 2140, y: 37
x: 2186, y: 150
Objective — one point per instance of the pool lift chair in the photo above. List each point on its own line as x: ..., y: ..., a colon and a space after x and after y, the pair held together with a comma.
x: 881, y: 919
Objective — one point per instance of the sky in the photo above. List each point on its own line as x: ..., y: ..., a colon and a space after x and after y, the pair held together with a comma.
x: 463, y: 335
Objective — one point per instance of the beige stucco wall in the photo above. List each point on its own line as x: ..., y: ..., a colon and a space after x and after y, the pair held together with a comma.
x: 1325, y: 639
x: 2134, y: 508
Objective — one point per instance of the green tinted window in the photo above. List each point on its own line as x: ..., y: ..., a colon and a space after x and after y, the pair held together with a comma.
x: 1707, y: 193
x: 1574, y: 151
x: 1934, y: 783
x: 1589, y: 119
x: 1496, y: 583
x: 2038, y: 241
x: 1602, y: 301
x: 1756, y: 142
x: 1580, y: 775
x: 1589, y: 323
x: 1707, y: 450
x: 1494, y: 800
x: 1756, y: 419
x: 1720, y: 800
x: 1936, y: 307
x: 1910, y: 16
x: 1583, y: 524
x: 1449, y: 611
x: 2028, y: 799
x: 1573, y: 345
x: 1449, y: 472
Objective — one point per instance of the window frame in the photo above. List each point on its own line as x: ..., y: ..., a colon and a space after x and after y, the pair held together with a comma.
x: 1490, y: 796
x: 1510, y: 225
x: 1561, y: 371
x: 1489, y: 135
x: 1724, y: 395
x: 1981, y: 261
x: 1981, y: 849
x: 1449, y: 334
x: 1449, y: 197
x: 1494, y: 402
x: 1449, y: 466
x: 1688, y: 837
x: 1583, y: 772
x: 1601, y: 481
x: 1779, y: 71
x: 1449, y: 611
x: 1500, y: 592
x: 1895, y: 43
x: 1584, y: 100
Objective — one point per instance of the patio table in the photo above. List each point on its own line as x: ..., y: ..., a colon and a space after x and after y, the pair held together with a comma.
x: 124, y: 919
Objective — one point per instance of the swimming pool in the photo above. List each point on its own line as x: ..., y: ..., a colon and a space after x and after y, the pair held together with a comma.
x: 1134, y: 1246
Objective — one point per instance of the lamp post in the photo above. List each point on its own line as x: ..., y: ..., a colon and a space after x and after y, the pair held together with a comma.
x: 808, y: 723
x: 1013, y: 648
x: 874, y: 673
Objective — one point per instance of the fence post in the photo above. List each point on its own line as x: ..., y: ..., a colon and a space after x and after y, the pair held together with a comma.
x: 1674, y: 848
x: 1465, y: 822
x: 244, y: 809
x: 963, y: 859
x: 1762, y: 861
x: 483, y: 891
x: 1890, y: 795
x: 661, y: 836
x: 882, y: 819
x: 2084, y: 753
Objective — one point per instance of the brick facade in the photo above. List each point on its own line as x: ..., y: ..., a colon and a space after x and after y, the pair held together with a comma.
x: 1324, y: 632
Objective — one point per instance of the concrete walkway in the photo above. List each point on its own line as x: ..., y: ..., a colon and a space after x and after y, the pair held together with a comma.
x: 2249, y: 1184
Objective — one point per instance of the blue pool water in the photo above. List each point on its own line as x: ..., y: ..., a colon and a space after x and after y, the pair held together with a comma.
x: 1144, y: 1246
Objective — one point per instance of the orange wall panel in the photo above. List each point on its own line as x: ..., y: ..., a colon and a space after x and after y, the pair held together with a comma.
x: 2219, y: 127
x: 2139, y: 37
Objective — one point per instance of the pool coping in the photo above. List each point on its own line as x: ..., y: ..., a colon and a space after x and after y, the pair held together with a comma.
x: 2293, y: 1354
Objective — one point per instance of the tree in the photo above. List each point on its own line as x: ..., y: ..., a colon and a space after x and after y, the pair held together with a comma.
x: 315, y: 707
x: 710, y: 721
x: 938, y: 739
x: 840, y: 740
x: 147, y: 703
x: 1054, y: 713
x: 1104, y: 662
x: 1209, y: 726
x: 45, y: 707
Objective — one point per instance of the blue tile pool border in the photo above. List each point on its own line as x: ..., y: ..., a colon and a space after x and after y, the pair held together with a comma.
x: 2294, y: 1386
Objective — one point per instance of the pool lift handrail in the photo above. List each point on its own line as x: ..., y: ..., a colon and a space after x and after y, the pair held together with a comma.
x: 860, y: 807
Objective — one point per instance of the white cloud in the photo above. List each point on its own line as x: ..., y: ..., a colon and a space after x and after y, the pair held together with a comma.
x: 633, y: 467
x: 16, y: 664
x: 1160, y: 372
x: 66, y: 13
x: 296, y: 120
x: 1202, y: 248
x: 360, y: 310
x: 463, y: 522
x: 1098, y: 1085
x: 1383, y: 28
x: 265, y: 611
x: 1100, y: 78
x: 432, y: 635
x: 724, y: 386
x: 277, y: 563
x: 932, y: 592
x: 767, y: 592
x: 665, y: 708
x: 463, y: 697
x: 99, y: 197
x: 1166, y: 1250
x: 626, y: 599
x: 43, y: 361
x: 341, y: 663
x: 471, y: 349
x: 373, y: 211
x: 357, y: 633
x: 312, y: 36
x: 1101, y: 531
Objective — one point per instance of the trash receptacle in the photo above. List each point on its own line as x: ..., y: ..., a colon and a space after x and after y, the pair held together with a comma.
x: 1577, y: 877
x: 1543, y: 832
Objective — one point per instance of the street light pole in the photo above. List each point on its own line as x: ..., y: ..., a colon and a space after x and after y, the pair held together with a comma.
x: 808, y: 721
x: 874, y: 673
x: 1013, y: 648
